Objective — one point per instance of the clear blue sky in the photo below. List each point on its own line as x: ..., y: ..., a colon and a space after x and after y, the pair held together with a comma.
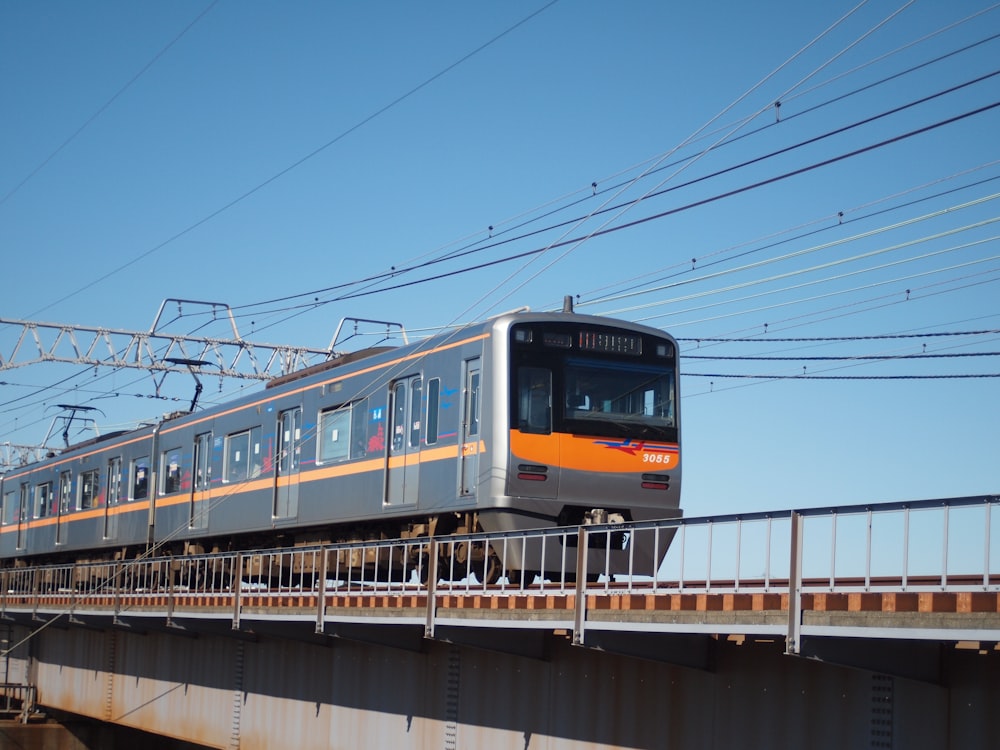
x: 246, y: 151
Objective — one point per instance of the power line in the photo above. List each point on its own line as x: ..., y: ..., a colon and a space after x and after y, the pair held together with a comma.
x: 841, y: 358
x: 967, y: 376
x: 299, y: 162
x: 875, y: 337
x: 108, y: 103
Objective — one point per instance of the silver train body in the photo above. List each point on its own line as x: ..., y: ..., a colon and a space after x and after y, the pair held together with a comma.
x: 528, y: 420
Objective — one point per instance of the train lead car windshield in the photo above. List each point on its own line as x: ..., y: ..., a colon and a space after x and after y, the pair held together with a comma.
x: 587, y: 380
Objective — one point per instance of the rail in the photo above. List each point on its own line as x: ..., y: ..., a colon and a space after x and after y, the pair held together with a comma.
x: 787, y: 566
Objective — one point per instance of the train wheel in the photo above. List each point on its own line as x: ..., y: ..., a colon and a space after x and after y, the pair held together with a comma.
x: 488, y: 570
x: 523, y: 578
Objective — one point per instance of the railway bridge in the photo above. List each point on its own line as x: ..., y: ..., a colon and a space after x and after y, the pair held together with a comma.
x: 870, y: 626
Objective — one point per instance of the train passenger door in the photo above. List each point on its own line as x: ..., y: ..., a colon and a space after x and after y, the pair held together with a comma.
x: 403, y: 466
x: 113, y: 497
x: 469, y: 437
x: 201, y: 482
x: 286, y: 475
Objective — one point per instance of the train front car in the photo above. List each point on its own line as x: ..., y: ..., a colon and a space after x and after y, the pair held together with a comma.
x: 592, y: 430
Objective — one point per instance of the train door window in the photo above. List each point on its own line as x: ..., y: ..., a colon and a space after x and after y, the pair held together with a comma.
x: 335, y: 434
x: 416, y: 390
x: 114, y: 480
x: 433, y: 407
x: 289, y: 438
x: 469, y: 438
x: 398, y: 416
x: 534, y: 400
x: 114, y: 496
x: 90, y: 482
x: 139, y: 478
x: 203, y: 461
x: 65, y: 492
x: 43, y: 499
x: 24, y: 508
x: 170, y: 471
x: 63, y: 503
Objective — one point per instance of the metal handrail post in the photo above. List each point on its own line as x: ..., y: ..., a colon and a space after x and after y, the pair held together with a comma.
x: 432, y: 575
x: 988, y: 507
x: 321, y: 591
x: 237, y: 587
x: 580, y: 610
x: 793, y: 640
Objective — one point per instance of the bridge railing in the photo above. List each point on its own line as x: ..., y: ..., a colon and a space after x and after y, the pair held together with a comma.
x: 17, y: 701
x: 934, y: 545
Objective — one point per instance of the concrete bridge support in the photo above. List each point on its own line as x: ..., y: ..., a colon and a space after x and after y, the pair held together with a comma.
x: 528, y: 691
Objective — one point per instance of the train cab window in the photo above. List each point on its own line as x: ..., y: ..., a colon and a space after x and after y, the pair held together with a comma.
x: 65, y: 492
x: 139, y: 478
x: 243, y: 458
x: 43, y: 499
x: 90, y: 482
x: 433, y: 408
x: 534, y: 400
x: 170, y: 471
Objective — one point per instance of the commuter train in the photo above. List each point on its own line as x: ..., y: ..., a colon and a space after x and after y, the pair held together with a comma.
x: 528, y: 420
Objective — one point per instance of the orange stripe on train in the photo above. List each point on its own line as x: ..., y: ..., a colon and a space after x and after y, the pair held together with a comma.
x: 594, y: 453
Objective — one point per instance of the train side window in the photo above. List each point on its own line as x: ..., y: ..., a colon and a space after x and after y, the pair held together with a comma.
x: 170, y: 471
x: 139, y: 478
x: 359, y: 428
x: 90, y: 483
x: 9, y: 508
x: 243, y: 459
x: 237, y: 456
x: 256, y: 453
x: 534, y: 400
x: 335, y: 434
x: 433, y: 407
x: 65, y: 492
x: 43, y: 499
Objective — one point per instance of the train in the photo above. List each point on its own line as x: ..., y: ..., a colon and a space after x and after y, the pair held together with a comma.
x: 527, y: 420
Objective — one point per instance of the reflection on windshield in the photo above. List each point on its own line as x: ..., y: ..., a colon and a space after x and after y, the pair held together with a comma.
x: 603, y: 391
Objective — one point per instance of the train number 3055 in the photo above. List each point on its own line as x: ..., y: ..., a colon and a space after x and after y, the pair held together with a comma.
x: 657, y: 458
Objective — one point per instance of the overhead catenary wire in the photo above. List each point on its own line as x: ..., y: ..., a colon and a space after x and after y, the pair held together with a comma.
x: 314, y: 305
x: 300, y: 161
